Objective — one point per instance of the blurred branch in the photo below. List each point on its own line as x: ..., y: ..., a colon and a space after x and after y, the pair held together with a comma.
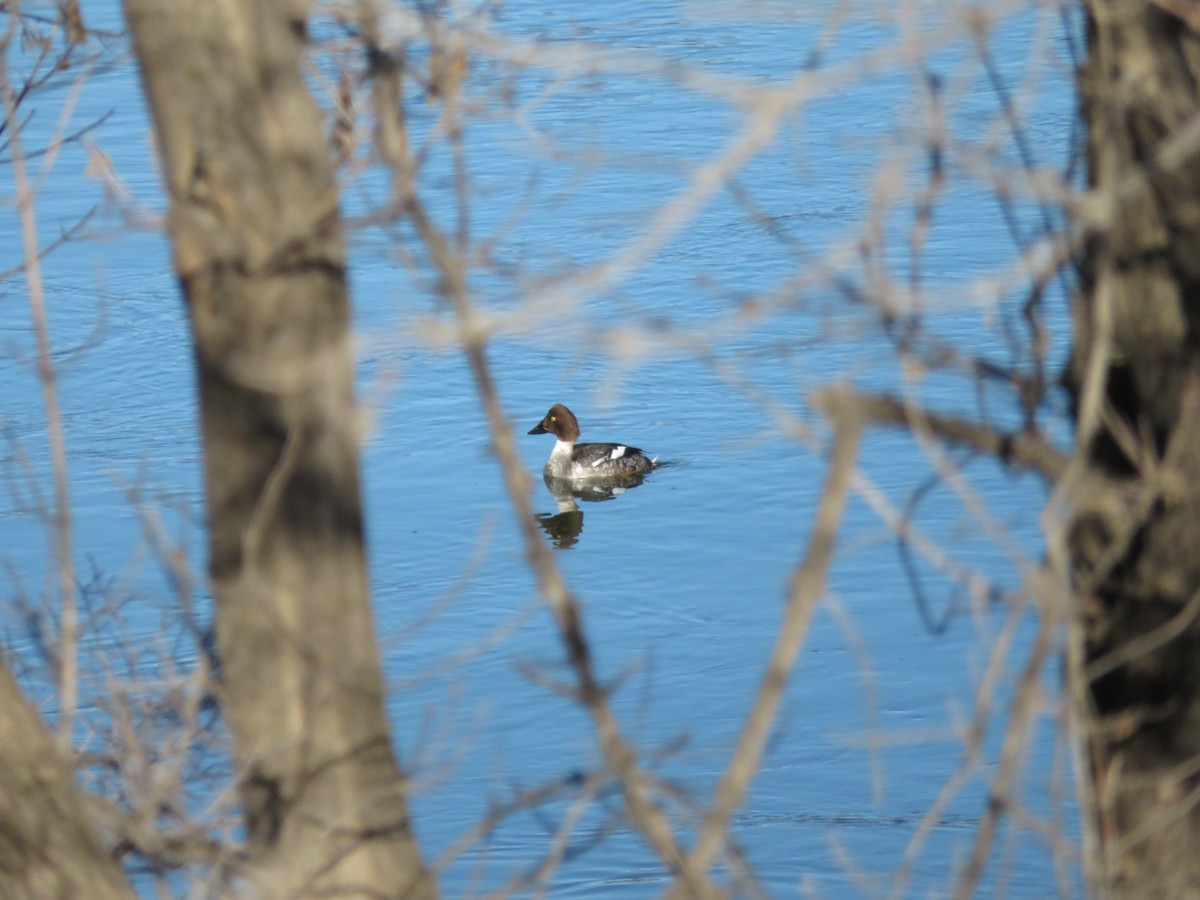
x: 621, y: 758
x: 162, y: 848
x: 522, y: 800
x: 448, y: 259
x: 61, y: 531
x: 73, y: 137
x: 68, y: 235
x: 1023, y: 708
x: 973, y: 735
x: 50, y: 847
x: 805, y: 587
x: 1023, y: 449
x: 1188, y: 11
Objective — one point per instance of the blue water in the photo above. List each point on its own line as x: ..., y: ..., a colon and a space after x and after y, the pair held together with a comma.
x: 682, y: 579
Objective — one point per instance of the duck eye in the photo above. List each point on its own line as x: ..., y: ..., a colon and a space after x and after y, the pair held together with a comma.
x: 553, y: 419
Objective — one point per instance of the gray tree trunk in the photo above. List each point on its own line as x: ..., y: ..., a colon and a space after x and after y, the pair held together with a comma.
x: 1135, y: 540
x: 258, y: 249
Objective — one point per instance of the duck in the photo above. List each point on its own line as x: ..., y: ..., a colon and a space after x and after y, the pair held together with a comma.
x: 578, y: 462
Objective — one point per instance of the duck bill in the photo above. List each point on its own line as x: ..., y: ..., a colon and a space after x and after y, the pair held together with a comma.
x: 538, y: 429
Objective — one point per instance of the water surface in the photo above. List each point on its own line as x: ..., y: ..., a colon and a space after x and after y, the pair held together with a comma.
x: 682, y: 579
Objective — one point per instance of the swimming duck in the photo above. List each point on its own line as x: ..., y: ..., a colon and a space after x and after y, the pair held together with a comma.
x: 572, y: 461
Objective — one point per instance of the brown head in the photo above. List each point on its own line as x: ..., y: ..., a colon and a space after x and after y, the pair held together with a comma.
x: 560, y: 422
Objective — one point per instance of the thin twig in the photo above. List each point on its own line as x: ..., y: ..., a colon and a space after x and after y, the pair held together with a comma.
x: 1020, y: 448
x: 1022, y: 714
x: 645, y: 815
x: 60, y: 517
x: 805, y: 587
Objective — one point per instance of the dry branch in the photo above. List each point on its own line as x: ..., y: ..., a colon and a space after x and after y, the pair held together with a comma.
x: 1023, y: 449
x: 48, y: 844
x: 805, y: 587
x: 644, y: 813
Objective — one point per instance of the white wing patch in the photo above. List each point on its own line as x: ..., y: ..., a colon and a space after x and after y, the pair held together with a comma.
x: 615, y: 453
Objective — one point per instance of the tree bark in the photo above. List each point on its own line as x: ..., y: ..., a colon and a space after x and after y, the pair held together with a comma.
x: 258, y: 249
x: 1135, y: 537
x: 48, y: 848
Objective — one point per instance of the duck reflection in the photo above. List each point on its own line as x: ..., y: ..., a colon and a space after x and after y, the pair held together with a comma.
x: 564, y: 527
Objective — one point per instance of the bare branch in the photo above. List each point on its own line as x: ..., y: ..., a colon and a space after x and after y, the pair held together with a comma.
x: 1020, y: 448
x: 805, y: 587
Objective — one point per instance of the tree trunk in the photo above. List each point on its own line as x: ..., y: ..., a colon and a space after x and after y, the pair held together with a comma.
x: 258, y: 249
x: 47, y: 846
x: 1135, y: 539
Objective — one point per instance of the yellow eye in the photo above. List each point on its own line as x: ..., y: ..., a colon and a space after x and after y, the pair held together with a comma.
x: 553, y: 419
